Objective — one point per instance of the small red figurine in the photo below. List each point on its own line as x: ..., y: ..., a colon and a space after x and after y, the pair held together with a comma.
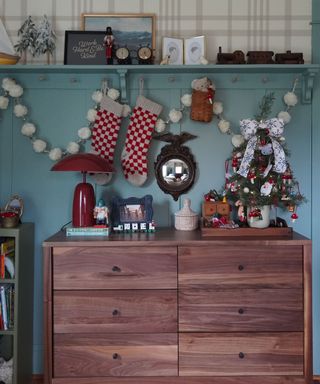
x: 108, y: 41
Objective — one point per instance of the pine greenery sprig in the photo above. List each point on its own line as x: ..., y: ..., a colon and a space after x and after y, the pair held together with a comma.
x: 265, y: 106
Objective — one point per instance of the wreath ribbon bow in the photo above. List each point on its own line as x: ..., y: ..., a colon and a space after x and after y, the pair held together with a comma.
x: 249, y: 130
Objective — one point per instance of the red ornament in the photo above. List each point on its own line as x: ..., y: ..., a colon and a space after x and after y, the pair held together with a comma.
x: 263, y: 142
x: 294, y: 217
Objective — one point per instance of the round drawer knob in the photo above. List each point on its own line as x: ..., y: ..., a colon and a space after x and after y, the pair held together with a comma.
x: 115, y: 312
x: 241, y: 311
x: 115, y: 356
x: 241, y: 267
x: 115, y: 268
x: 241, y: 355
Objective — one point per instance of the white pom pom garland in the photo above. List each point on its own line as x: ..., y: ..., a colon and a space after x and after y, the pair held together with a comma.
x: 97, y: 96
x: 160, y: 126
x: 55, y: 154
x: 186, y: 100
x: 217, y: 108
x: 175, y: 115
x: 28, y: 129
x: 285, y: 116
x: 84, y: 133
x: 113, y: 93
x: 224, y: 126
x: 4, y: 102
x: 73, y: 148
x: 20, y: 110
x: 290, y: 99
x: 39, y: 145
x: 126, y: 110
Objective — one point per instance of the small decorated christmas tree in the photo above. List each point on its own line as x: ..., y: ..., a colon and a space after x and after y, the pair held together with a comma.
x: 258, y: 173
x: 45, y: 39
x: 27, y: 34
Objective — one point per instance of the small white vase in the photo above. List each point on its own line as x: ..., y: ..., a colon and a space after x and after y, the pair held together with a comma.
x: 259, y: 222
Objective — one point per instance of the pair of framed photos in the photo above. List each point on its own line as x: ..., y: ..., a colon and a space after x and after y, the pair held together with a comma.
x: 183, y: 51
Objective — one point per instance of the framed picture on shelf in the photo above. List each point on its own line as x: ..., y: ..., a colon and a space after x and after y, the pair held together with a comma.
x: 132, y: 214
x: 84, y: 47
x: 194, y: 49
x: 132, y: 31
x: 173, y: 49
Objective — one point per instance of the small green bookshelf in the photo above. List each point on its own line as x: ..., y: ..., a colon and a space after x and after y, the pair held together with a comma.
x: 16, y: 305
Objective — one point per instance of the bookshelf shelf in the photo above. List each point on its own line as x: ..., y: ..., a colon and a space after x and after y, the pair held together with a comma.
x: 16, y: 341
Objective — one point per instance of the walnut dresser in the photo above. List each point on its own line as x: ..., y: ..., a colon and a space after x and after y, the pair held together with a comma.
x: 173, y: 307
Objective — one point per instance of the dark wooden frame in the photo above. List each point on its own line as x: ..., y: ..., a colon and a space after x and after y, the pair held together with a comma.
x: 175, y: 150
x: 72, y: 37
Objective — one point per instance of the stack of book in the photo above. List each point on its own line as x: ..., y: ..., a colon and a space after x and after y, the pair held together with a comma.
x: 7, y: 251
x: 98, y: 230
x: 6, y: 306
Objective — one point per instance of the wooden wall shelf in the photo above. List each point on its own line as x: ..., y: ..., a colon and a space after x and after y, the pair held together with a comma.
x: 262, y: 72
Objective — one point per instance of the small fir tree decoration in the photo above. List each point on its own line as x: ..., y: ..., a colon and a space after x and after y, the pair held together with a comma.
x: 257, y: 174
x: 27, y: 34
x: 45, y: 39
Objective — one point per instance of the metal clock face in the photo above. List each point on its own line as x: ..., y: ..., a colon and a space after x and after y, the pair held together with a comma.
x: 144, y: 53
x: 122, y: 53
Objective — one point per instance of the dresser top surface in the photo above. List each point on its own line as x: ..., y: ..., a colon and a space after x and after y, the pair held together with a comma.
x: 169, y: 237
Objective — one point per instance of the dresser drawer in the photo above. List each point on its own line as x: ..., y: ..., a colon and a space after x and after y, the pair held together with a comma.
x: 115, y: 355
x: 115, y: 311
x: 230, y: 266
x: 245, y: 310
x: 226, y: 354
x: 114, y: 267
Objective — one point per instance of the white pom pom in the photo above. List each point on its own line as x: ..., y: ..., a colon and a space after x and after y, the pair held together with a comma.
x: 28, y: 129
x: 16, y: 90
x: 4, y: 102
x: 237, y: 140
x: 290, y: 99
x: 203, y: 60
x: 84, y: 133
x: 224, y: 126
x: 186, y: 100
x: 246, y: 190
x: 73, y: 147
x: 113, y: 93
x: 39, y: 145
x: 97, y: 96
x: 55, y: 154
x: 217, y: 108
x: 285, y: 116
x: 91, y: 115
x: 20, y: 110
x: 8, y: 83
x: 175, y: 116
x: 160, y: 126
x: 126, y: 110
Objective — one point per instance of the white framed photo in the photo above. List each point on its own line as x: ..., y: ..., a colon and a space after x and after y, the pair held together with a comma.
x: 194, y: 50
x: 172, y: 49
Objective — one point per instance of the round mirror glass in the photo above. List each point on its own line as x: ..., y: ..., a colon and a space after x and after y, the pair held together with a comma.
x: 175, y: 172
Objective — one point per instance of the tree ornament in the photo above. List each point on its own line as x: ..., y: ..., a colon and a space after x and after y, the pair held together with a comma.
x: 294, y: 217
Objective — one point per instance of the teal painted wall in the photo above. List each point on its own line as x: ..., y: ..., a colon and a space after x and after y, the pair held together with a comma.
x: 58, y: 107
x: 315, y: 137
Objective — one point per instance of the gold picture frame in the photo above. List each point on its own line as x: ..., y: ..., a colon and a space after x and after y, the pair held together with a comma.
x: 132, y: 30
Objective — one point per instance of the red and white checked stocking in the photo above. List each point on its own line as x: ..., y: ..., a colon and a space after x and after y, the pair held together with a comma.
x: 134, y: 155
x: 106, y: 128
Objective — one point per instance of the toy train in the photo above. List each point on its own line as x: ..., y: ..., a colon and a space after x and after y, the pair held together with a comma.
x: 259, y: 57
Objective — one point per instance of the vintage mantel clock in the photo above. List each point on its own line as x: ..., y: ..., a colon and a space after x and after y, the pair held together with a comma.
x: 145, y: 55
x: 122, y: 55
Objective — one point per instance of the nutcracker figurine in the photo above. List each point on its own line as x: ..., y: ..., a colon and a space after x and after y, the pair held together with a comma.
x: 108, y: 41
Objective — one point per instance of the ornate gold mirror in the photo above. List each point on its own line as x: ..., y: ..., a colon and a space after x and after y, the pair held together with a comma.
x: 175, y: 168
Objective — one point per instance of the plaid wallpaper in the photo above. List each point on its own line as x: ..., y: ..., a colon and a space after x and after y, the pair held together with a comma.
x: 276, y: 25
